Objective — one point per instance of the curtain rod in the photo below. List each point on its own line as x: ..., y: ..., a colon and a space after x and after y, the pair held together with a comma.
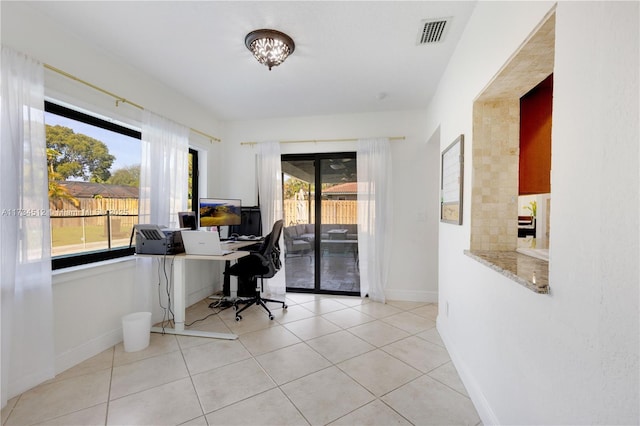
x: 119, y: 99
x: 391, y: 138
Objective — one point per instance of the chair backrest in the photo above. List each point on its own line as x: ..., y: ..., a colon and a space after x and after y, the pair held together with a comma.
x: 270, y: 250
x: 263, y: 263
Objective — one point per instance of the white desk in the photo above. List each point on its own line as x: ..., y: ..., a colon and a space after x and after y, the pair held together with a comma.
x: 179, y: 290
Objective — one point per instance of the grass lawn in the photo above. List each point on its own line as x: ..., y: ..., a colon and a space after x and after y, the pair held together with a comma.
x: 69, y: 235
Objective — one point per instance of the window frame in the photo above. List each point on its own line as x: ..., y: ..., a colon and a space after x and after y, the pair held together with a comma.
x: 195, y: 177
x: 77, y: 259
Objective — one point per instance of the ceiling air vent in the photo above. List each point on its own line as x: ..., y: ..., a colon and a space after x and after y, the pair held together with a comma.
x: 432, y: 30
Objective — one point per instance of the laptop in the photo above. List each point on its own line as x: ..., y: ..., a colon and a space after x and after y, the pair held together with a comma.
x: 203, y: 243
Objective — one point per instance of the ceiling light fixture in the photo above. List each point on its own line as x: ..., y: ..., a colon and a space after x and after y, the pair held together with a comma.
x: 270, y: 47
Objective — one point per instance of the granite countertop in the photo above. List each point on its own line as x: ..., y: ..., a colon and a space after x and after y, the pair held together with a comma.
x: 516, y: 266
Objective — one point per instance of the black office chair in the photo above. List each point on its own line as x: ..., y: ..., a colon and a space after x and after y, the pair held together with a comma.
x: 264, y: 263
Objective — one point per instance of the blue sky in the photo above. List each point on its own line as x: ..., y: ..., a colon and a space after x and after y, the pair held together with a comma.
x: 126, y: 149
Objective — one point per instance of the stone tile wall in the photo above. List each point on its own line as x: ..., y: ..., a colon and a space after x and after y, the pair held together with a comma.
x: 495, y: 155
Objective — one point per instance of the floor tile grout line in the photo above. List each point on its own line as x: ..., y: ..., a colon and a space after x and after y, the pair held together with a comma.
x: 443, y: 383
x: 113, y: 360
x: 388, y: 392
x: 195, y: 389
x: 279, y: 387
x: 47, y: 419
x: 395, y: 411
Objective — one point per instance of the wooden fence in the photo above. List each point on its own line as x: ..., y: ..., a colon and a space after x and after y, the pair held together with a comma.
x: 95, y: 206
x: 123, y: 212
x: 333, y: 211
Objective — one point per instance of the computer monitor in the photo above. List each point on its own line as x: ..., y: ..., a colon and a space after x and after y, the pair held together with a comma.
x: 251, y: 223
x: 219, y: 212
x: 188, y: 220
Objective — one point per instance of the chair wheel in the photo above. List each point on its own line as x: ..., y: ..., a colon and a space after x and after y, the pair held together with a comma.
x: 271, y: 317
x: 284, y: 306
x: 238, y: 317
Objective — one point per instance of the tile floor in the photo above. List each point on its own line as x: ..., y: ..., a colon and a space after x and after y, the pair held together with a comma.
x: 339, y: 273
x: 325, y: 360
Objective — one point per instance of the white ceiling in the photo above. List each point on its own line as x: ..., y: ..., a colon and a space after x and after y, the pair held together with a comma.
x: 350, y: 57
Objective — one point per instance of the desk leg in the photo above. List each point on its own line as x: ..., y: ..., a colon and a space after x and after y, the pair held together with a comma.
x: 179, y: 293
x: 179, y: 307
x: 229, y: 283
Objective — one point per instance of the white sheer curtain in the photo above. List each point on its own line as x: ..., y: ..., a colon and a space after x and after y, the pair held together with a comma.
x: 269, y: 173
x: 164, y: 170
x: 374, y: 216
x: 25, y: 243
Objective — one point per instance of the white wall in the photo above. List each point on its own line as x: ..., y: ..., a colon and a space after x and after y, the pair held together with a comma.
x: 415, y: 163
x: 88, y: 305
x: 570, y: 357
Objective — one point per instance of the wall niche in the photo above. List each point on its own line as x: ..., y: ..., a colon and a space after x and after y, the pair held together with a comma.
x: 496, y: 141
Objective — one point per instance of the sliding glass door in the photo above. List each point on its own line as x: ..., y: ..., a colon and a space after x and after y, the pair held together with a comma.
x: 299, y: 221
x: 321, y: 238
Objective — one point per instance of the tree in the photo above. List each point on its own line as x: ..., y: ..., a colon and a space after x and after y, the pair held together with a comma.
x: 78, y: 155
x: 57, y: 192
x: 292, y: 187
x: 128, y: 175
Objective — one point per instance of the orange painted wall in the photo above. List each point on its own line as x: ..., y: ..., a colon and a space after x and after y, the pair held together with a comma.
x: 535, y: 139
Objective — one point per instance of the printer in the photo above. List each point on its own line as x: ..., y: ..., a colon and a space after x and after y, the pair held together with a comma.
x: 151, y: 239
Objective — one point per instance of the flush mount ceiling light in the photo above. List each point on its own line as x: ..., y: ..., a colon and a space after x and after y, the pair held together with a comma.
x: 270, y: 47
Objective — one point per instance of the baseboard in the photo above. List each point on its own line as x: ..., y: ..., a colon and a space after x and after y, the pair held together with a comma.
x: 81, y: 353
x: 486, y: 413
x: 412, y: 296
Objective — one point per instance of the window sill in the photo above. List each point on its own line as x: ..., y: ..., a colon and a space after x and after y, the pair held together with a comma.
x: 91, y: 269
x: 517, y: 267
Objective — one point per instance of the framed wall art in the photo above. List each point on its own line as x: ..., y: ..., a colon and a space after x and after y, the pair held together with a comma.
x: 451, y: 182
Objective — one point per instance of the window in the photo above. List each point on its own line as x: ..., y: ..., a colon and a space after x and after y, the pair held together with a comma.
x: 94, y: 174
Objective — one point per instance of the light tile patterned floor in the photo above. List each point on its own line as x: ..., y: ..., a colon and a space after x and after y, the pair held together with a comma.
x: 324, y: 360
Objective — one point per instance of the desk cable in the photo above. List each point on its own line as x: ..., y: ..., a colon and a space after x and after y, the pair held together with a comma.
x: 167, y: 315
x: 219, y: 305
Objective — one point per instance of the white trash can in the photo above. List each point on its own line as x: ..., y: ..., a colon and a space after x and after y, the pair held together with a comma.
x: 136, y: 330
